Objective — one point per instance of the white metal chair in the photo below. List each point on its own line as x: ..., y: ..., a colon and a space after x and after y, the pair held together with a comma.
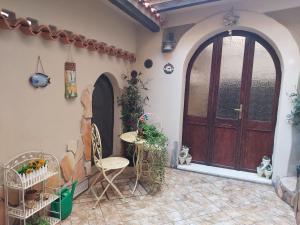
x: 117, y: 164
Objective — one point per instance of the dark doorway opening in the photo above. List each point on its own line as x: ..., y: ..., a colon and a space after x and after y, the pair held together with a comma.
x: 103, y: 113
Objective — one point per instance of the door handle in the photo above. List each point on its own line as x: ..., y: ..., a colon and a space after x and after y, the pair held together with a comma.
x: 239, y: 110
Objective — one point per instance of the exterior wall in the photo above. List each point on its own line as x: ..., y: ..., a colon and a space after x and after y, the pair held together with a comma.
x: 167, y: 91
x: 202, y: 12
x: 32, y: 119
x: 287, y: 18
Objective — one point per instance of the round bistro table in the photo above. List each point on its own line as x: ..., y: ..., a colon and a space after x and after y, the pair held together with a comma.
x: 132, y: 138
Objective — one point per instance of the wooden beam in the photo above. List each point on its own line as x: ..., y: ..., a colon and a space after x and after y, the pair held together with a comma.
x: 179, y: 4
x: 135, y: 13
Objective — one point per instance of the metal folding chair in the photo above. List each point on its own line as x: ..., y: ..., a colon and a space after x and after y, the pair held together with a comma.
x: 116, y: 164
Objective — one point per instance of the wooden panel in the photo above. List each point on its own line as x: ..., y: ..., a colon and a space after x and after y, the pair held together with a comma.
x: 196, y: 137
x: 224, y: 147
x: 256, y: 145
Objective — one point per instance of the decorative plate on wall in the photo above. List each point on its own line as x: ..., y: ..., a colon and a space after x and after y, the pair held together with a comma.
x: 148, y: 63
x: 168, y: 68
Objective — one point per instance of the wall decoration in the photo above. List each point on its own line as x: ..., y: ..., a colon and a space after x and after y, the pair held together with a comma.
x: 9, y: 21
x: 168, y: 68
x: 230, y: 20
x: 148, y: 63
x: 39, y: 79
x: 70, y: 80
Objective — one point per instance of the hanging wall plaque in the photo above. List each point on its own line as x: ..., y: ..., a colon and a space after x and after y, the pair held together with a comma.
x: 168, y: 68
x: 39, y: 79
x: 70, y: 80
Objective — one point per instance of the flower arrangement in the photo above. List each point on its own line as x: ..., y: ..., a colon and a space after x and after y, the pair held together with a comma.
x: 31, y: 166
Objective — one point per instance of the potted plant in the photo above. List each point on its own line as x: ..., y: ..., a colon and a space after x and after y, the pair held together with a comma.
x: 132, y: 102
x: 156, y: 146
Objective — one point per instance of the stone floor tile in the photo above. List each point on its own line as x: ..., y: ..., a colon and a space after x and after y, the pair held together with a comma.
x: 186, y: 199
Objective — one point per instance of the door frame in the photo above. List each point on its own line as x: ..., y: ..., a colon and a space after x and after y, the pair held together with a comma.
x: 209, y: 121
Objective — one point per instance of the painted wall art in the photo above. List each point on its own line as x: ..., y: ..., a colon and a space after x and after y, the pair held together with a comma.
x: 70, y: 80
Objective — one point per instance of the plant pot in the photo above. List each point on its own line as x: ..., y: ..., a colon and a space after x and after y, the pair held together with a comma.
x: 259, y: 171
x: 268, y: 172
x: 188, y: 159
x: 32, y: 195
x: 181, y: 160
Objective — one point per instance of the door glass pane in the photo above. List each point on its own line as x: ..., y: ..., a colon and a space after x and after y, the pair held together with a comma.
x: 262, y: 85
x: 199, y: 83
x: 230, y: 77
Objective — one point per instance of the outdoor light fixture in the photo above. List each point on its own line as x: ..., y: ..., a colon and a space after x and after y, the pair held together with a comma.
x: 169, y: 43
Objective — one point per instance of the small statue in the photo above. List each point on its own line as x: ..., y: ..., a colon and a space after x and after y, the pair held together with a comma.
x: 184, y: 156
x: 265, y: 168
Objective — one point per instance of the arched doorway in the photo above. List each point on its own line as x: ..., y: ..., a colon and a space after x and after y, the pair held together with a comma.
x: 231, y: 100
x: 103, y: 112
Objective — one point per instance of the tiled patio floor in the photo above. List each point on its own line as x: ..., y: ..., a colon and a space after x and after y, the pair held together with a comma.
x: 187, y: 199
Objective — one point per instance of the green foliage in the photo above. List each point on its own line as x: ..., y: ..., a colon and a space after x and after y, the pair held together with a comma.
x: 37, y: 221
x: 294, y: 116
x: 132, y: 101
x: 156, y: 145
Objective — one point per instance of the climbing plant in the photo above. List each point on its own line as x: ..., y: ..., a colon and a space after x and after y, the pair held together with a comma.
x: 156, y: 146
x: 294, y: 116
x: 132, y: 102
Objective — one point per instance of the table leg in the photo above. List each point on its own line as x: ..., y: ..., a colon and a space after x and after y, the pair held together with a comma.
x: 138, y: 164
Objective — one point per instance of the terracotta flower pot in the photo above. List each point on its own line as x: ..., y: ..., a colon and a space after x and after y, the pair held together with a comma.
x: 32, y: 195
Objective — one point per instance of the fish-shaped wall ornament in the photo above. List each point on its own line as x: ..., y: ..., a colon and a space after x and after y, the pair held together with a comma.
x: 39, y: 79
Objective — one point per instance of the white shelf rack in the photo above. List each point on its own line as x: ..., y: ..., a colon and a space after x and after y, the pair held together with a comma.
x: 21, y: 183
x: 52, y: 220
x: 18, y: 212
x: 28, y: 183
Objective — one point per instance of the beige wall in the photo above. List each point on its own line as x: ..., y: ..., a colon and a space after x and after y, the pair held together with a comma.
x: 167, y: 91
x: 42, y: 118
x: 290, y: 19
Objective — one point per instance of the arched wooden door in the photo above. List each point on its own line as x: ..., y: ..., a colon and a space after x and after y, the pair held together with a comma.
x: 231, y: 101
x: 103, y: 112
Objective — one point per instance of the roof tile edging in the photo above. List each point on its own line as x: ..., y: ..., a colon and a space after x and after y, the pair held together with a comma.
x: 49, y: 32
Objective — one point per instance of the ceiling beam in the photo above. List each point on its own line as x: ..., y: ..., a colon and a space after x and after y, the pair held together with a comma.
x: 136, y: 14
x: 179, y: 4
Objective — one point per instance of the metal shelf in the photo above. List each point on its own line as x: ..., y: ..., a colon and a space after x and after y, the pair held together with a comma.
x: 52, y: 220
x: 18, y: 212
x: 31, y: 182
x: 16, y: 181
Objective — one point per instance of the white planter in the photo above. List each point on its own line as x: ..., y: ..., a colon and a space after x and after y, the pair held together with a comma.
x: 268, y: 173
x: 259, y: 171
x: 188, y: 159
x: 181, y: 160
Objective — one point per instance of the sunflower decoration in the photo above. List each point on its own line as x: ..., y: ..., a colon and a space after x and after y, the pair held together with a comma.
x: 32, y: 165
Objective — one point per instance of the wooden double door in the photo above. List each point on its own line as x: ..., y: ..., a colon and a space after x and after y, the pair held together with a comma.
x: 231, y: 99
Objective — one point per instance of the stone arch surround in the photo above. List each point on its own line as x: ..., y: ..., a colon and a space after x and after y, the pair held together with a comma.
x: 287, y: 50
x: 76, y: 164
